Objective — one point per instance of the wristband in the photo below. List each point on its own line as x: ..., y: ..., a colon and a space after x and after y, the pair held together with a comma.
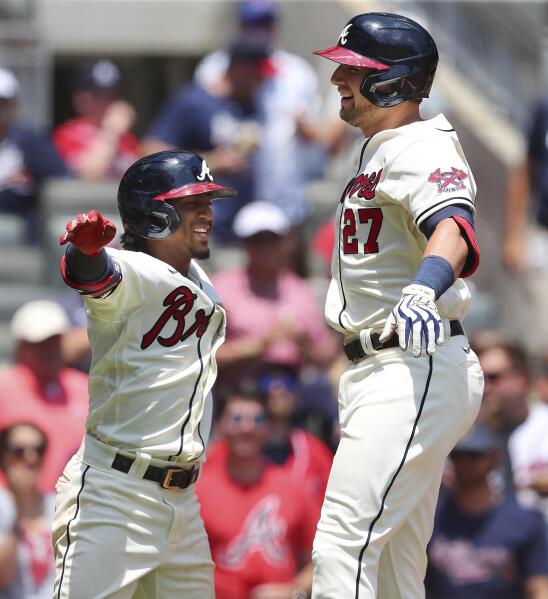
x: 435, y: 272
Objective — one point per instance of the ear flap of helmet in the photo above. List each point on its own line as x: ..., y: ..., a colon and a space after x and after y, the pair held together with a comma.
x: 151, y: 220
x: 405, y: 82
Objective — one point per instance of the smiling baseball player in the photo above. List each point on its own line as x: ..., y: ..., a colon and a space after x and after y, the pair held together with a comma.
x: 404, y: 235
x: 127, y: 520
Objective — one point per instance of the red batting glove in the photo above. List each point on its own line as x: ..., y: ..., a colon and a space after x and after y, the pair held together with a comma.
x: 89, y: 232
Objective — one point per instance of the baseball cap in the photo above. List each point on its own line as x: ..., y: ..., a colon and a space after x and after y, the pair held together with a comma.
x: 257, y: 12
x: 9, y: 86
x: 100, y: 75
x: 261, y: 216
x: 39, y: 320
x: 250, y: 49
x: 479, y: 439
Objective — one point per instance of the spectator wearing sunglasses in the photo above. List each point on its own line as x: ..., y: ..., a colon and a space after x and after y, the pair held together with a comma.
x: 260, y: 521
x: 39, y: 389
x: 504, y: 405
x: 484, y: 545
x: 26, y: 514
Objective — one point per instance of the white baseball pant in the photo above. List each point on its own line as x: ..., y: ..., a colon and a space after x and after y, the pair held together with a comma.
x: 400, y: 417
x: 117, y: 535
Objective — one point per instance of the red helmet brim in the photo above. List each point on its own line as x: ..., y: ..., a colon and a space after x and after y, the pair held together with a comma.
x: 345, y: 56
x: 197, y: 188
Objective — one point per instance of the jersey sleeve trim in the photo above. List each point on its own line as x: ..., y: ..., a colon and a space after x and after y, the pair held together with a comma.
x: 467, y: 202
x: 468, y: 233
x: 96, y: 289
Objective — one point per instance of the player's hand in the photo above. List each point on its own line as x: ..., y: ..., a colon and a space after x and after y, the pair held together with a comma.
x: 89, y: 232
x: 416, y: 320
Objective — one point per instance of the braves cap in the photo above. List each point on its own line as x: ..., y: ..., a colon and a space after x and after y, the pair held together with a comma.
x: 479, y: 439
x: 258, y: 217
x: 249, y: 49
x: 9, y: 86
x: 39, y: 320
x: 100, y: 75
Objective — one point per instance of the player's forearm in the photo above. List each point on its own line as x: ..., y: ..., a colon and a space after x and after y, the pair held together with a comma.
x: 447, y: 242
x: 517, y: 201
x: 303, y: 579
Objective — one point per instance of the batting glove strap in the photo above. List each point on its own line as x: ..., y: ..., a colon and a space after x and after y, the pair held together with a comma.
x: 416, y: 320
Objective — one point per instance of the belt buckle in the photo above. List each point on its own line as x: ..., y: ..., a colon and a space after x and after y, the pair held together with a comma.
x: 169, y: 474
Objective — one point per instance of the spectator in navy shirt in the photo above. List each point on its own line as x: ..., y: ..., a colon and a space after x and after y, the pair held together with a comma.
x: 26, y: 159
x: 222, y: 124
x: 484, y: 545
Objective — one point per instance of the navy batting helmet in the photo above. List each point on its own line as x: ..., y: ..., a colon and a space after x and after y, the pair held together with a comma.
x: 398, y: 49
x: 149, y: 184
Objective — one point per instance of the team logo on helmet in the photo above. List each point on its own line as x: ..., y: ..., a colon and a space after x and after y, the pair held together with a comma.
x: 448, y: 180
x: 344, y: 35
x: 205, y: 172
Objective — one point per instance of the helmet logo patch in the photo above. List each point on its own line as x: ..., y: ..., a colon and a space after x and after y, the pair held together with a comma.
x: 448, y: 180
x: 344, y: 35
x: 205, y: 172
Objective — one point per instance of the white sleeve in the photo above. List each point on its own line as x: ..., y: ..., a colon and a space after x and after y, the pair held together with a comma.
x: 429, y: 175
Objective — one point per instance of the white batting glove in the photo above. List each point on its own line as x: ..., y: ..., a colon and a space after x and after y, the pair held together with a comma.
x: 417, y: 321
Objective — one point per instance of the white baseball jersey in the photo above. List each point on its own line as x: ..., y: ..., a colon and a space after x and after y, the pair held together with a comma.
x: 154, y: 340
x: 401, y: 177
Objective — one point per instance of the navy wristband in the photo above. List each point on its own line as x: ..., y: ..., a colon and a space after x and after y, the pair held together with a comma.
x: 435, y: 272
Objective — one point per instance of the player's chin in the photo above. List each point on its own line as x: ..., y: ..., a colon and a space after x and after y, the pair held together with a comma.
x: 201, y: 253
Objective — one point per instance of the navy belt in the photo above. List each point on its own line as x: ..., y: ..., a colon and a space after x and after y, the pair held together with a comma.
x: 354, y: 350
x: 168, y: 478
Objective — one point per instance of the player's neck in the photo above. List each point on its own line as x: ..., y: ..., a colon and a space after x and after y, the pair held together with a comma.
x: 391, y: 118
x: 475, y: 498
x: 169, y: 254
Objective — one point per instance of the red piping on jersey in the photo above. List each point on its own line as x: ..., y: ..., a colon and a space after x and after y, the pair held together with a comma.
x: 94, y: 289
x: 473, y: 260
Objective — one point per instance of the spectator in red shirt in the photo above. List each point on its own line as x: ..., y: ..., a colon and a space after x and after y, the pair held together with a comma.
x: 97, y: 143
x: 260, y: 521
x: 39, y: 390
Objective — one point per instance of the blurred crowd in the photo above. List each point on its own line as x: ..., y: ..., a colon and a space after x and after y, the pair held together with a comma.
x: 253, y: 111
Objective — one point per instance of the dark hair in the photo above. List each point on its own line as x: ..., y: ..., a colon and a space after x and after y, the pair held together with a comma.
x: 133, y: 243
x: 246, y: 389
x: 516, y: 354
x: 6, y: 432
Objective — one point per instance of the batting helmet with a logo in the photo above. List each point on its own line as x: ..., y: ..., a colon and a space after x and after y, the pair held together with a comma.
x: 398, y: 50
x: 149, y: 185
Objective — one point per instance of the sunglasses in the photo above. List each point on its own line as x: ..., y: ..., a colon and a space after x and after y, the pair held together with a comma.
x: 493, y: 377
x: 21, y: 451
x: 239, y: 419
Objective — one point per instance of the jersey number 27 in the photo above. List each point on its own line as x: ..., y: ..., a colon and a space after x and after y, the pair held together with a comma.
x: 365, y: 216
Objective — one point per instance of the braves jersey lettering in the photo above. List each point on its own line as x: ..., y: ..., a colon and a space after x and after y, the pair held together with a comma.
x: 263, y: 531
x: 465, y: 563
x: 184, y: 323
x: 395, y: 187
x: 180, y: 302
x: 363, y: 186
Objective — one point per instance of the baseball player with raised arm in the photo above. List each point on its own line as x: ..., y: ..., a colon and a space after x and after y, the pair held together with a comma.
x: 127, y: 521
x: 404, y: 240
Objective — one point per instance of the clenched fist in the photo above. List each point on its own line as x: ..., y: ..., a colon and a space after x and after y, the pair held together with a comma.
x: 89, y: 232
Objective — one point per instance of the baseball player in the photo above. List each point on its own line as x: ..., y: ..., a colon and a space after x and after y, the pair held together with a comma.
x: 127, y: 520
x: 404, y: 239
